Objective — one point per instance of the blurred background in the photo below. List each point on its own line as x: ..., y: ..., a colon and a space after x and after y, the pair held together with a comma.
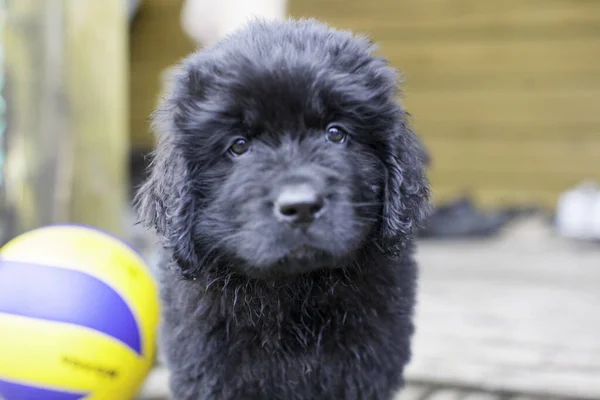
x: 504, y: 94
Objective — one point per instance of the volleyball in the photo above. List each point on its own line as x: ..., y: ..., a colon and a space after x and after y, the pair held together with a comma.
x: 78, y: 316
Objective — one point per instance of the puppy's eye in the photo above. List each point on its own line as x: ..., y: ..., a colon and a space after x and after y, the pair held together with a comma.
x: 239, y: 147
x: 335, y: 134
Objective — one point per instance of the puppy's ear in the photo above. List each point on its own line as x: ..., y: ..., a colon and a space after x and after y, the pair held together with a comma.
x: 165, y: 202
x: 406, y: 194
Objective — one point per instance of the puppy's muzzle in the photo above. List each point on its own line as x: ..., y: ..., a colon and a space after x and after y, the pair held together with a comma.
x: 299, y: 204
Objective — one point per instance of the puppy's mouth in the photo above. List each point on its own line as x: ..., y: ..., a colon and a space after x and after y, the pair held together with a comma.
x: 301, y: 259
x: 307, y: 255
x: 303, y: 251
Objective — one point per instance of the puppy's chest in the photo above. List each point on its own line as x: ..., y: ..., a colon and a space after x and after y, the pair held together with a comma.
x: 316, y: 324
x: 321, y: 359
x: 307, y: 341
x: 307, y: 329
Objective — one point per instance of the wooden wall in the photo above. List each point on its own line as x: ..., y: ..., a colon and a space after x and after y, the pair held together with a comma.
x: 156, y: 43
x: 505, y: 93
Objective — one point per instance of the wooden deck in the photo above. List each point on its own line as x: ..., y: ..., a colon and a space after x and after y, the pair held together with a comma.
x: 518, y: 314
x: 514, y: 318
x: 157, y: 383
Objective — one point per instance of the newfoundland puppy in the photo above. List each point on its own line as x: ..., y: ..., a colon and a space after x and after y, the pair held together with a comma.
x: 286, y: 186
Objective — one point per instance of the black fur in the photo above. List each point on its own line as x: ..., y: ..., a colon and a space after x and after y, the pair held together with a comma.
x: 253, y: 308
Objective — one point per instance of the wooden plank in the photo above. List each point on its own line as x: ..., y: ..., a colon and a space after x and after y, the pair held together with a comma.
x: 413, y: 392
x: 426, y: 79
x: 525, y: 397
x: 445, y: 394
x: 435, y: 12
x: 517, y: 148
x: 503, y: 182
x: 508, y: 56
x: 563, y: 159
x: 490, y: 197
x: 517, y: 107
x: 96, y: 63
x: 489, y: 28
x: 36, y: 115
x: 156, y: 387
x: 483, y: 396
x: 540, y: 130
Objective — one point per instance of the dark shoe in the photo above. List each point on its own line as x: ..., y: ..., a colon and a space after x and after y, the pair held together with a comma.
x: 460, y: 219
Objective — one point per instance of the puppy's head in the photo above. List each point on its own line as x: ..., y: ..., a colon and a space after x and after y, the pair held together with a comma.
x: 282, y: 149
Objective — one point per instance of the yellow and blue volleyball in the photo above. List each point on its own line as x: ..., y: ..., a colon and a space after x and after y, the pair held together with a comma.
x: 78, y: 316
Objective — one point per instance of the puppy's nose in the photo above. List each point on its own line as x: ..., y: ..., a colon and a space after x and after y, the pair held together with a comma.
x: 299, y: 204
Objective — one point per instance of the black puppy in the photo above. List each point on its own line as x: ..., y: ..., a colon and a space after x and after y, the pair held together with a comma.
x: 285, y: 186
